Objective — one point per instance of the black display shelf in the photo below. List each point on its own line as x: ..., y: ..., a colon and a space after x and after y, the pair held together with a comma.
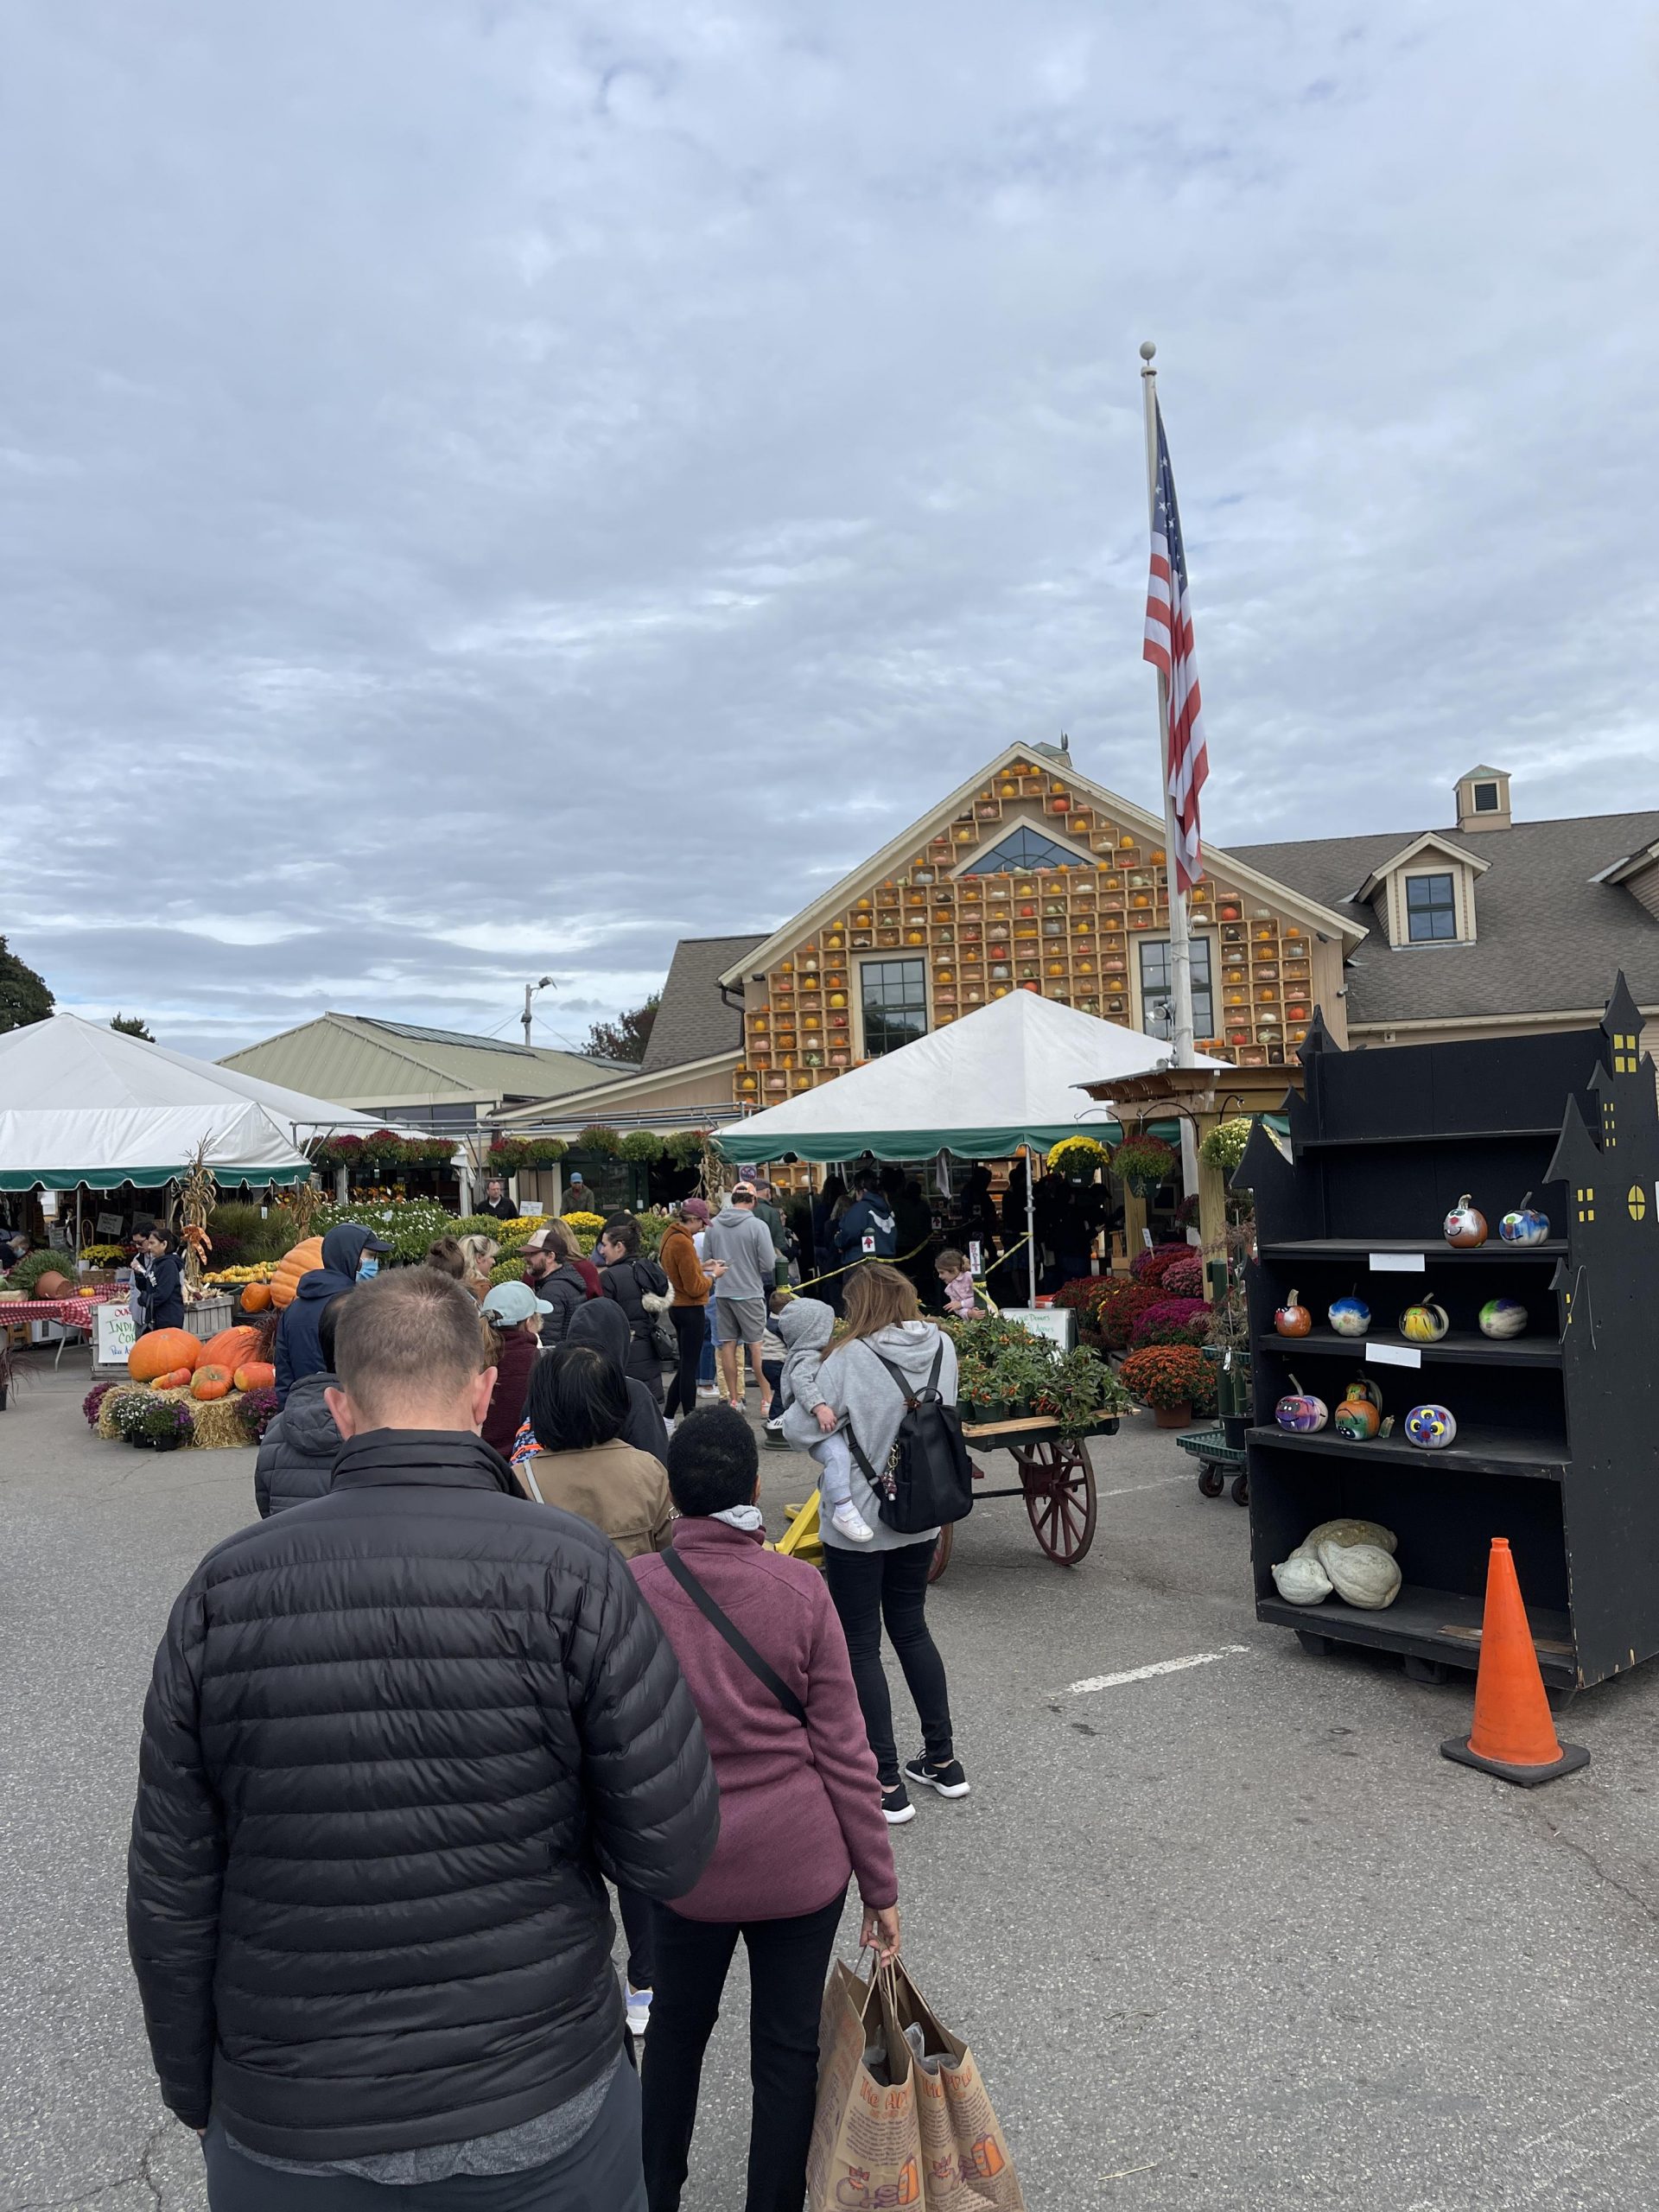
x: 1459, y: 1345
x: 1558, y: 1430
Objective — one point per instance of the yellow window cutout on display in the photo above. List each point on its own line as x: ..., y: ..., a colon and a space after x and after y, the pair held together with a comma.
x: 1637, y: 1202
x: 1586, y: 1202
x: 1625, y: 1054
x: 1609, y: 1126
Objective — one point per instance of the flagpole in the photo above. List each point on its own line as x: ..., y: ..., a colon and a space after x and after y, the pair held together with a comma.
x: 1180, y: 955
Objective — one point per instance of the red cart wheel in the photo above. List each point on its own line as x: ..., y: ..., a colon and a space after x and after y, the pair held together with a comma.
x: 1059, y: 1482
x: 941, y: 1558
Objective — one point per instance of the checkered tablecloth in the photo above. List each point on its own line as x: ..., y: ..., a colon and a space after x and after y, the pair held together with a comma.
x: 72, y: 1312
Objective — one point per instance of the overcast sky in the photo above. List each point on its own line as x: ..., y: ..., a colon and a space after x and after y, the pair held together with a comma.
x: 493, y: 488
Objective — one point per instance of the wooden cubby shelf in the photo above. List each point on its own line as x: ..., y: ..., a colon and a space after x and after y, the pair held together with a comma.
x: 1557, y: 1443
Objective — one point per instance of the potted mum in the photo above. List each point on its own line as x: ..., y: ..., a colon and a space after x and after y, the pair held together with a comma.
x: 1146, y: 1163
x: 1172, y: 1379
x: 166, y: 1425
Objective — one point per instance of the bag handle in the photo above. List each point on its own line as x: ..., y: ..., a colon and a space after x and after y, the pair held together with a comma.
x: 728, y: 1629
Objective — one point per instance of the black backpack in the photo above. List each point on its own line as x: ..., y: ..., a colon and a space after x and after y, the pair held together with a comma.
x: 929, y: 1479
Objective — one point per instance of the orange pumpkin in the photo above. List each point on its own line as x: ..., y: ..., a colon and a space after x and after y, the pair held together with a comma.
x: 230, y: 1348
x: 178, y: 1380
x: 257, y: 1375
x: 300, y: 1262
x: 158, y: 1351
x: 211, y: 1382
x: 255, y: 1297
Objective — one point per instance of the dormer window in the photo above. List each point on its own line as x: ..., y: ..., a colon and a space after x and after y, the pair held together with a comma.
x: 1431, y: 908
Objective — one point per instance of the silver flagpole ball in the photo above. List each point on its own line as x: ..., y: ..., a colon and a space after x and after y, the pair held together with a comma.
x: 1147, y: 349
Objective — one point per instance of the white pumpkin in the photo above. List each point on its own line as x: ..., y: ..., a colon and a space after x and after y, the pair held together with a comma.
x: 1347, y: 1532
x: 1363, y: 1574
x: 1301, y: 1581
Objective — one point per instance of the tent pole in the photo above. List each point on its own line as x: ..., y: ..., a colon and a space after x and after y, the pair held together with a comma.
x: 1031, y: 1221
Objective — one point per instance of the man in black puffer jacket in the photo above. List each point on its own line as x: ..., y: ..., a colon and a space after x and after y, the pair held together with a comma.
x: 296, y: 1453
x: 394, y: 1739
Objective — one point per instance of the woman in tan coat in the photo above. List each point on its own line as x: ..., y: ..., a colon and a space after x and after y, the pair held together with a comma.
x: 578, y: 1406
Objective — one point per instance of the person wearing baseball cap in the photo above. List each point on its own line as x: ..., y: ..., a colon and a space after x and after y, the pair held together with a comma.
x: 514, y: 1315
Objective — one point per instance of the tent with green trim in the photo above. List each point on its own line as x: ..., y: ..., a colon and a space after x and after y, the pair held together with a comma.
x: 1003, y: 1076
x: 81, y: 1103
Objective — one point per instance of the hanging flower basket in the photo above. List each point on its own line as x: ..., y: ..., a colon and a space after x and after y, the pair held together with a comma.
x: 597, y: 1137
x: 1145, y: 1163
x: 1077, y: 1157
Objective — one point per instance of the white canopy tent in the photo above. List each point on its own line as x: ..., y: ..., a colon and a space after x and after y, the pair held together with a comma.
x: 1004, y: 1076
x: 81, y: 1103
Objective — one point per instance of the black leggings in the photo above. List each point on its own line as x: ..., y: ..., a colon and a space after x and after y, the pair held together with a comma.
x: 788, y: 1961
x: 868, y: 1589
x: 691, y: 1326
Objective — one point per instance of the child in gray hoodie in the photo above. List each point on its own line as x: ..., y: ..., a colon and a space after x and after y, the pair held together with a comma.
x: 804, y: 1326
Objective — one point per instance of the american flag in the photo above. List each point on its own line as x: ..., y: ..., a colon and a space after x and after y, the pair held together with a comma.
x: 1169, y: 648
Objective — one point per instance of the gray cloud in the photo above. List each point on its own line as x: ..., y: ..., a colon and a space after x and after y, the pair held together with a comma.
x: 490, y: 490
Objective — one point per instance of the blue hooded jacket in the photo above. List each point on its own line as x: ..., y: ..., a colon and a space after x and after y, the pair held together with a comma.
x: 298, y: 1351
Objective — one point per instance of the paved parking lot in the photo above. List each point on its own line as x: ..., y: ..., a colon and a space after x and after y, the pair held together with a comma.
x: 1233, y: 1935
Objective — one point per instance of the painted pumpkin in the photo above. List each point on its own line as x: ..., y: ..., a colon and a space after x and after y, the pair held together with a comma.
x: 1425, y: 1323
x: 1360, y: 1414
x: 1466, y: 1225
x: 1293, y: 1319
x: 1503, y: 1317
x: 1299, y: 1412
x: 257, y: 1375
x: 230, y: 1348
x: 1431, y: 1427
x: 1350, y: 1317
x: 211, y: 1382
x: 255, y: 1297
x: 158, y: 1351
x: 1526, y: 1225
x: 304, y: 1257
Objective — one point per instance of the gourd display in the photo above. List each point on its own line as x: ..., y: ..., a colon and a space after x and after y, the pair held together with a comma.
x: 1503, y: 1317
x: 158, y: 1351
x: 1431, y: 1427
x: 257, y: 1375
x: 1362, y: 1574
x: 230, y: 1348
x: 1466, y: 1225
x: 1353, y: 1558
x: 1301, y: 1581
x: 1299, y: 1411
x: 300, y: 1262
x: 1424, y: 1322
x: 1526, y: 1225
x: 211, y: 1382
x: 1349, y: 1316
x: 1292, y: 1317
x: 1360, y: 1414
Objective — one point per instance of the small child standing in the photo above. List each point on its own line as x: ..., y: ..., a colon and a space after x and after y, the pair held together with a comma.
x: 960, y: 1297
x: 805, y: 1327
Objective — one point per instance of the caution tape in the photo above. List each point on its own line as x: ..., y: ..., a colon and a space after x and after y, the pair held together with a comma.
x: 897, y: 1261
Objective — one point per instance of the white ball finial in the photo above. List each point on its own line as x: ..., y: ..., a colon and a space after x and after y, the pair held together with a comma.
x: 1147, y: 349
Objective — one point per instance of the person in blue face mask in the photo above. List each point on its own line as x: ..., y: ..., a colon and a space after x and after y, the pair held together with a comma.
x: 351, y: 1254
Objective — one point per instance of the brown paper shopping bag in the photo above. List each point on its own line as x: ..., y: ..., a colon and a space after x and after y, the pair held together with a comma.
x: 866, y: 2150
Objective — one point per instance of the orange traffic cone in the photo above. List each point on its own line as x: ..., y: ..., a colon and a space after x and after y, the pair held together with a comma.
x: 1513, y: 1737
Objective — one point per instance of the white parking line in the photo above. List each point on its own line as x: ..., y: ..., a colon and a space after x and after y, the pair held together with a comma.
x: 1145, y: 1674
x: 1158, y: 1481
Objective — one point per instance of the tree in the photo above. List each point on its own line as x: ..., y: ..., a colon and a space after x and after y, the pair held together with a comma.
x: 626, y: 1038
x: 131, y: 1024
x: 23, y: 997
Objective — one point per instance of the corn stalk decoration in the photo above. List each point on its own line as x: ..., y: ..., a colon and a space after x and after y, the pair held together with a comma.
x: 196, y: 1197
x: 297, y: 1204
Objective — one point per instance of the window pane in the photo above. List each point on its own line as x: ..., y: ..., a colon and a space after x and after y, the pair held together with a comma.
x: 894, y: 994
x: 1019, y: 854
x: 1431, y: 908
x: 1486, y: 798
x: 1157, y: 1003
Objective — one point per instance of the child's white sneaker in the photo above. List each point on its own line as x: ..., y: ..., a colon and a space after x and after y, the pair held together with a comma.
x: 852, y: 1524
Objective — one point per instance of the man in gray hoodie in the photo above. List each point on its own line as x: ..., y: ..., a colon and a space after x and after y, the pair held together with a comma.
x: 743, y: 1246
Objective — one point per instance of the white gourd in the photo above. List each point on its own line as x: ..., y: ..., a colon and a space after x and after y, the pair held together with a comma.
x: 1348, y: 1532
x: 1363, y: 1574
x: 1301, y: 1581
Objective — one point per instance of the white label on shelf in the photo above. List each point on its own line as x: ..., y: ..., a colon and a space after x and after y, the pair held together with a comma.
x: 1393, y: 1356
x: 1396, y: 1263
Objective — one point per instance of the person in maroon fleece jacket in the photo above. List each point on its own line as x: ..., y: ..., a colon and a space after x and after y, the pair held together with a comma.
x: 800, y: 1813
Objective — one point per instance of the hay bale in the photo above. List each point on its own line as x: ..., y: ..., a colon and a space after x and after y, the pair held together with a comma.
x: 218, y: 1428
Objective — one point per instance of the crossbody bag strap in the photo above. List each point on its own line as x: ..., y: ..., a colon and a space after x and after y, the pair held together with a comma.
x: 728, y: 1629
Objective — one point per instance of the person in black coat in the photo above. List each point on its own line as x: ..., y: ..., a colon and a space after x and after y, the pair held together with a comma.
x: 603, y: 1325
x: 296, y: 1453
x: 558, y: 1283
x: 346, y: 1250
x: 393, y: 1740
x: 497, y: 1203
x: 158, y: 1277
x: 628, y: 1276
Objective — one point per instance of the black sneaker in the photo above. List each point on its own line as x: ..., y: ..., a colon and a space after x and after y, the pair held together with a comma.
x: 949, y: 1780
x: 895, y: 1803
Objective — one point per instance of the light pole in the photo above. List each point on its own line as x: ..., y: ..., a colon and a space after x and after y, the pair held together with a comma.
x: 530, y: 990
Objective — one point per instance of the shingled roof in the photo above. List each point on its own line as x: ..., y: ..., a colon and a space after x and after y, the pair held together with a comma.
x: 694, y: 1021
x: 1548, y: 939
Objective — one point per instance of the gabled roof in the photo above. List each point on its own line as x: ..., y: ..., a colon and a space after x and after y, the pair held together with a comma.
x: 1431, y: 841
x: 898, y: 852
x: 1549, y: 934
x: 693, y: 1022
x: 1469, y: 774
x: 1621, y: 871
x: 358, y: 1056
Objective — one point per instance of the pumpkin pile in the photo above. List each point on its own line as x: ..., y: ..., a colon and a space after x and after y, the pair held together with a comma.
x: 171, y: 1362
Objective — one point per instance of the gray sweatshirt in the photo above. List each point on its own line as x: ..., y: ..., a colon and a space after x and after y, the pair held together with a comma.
x: 737, y: 1236
x: 805, y: 1327
x: 856, y: 1385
